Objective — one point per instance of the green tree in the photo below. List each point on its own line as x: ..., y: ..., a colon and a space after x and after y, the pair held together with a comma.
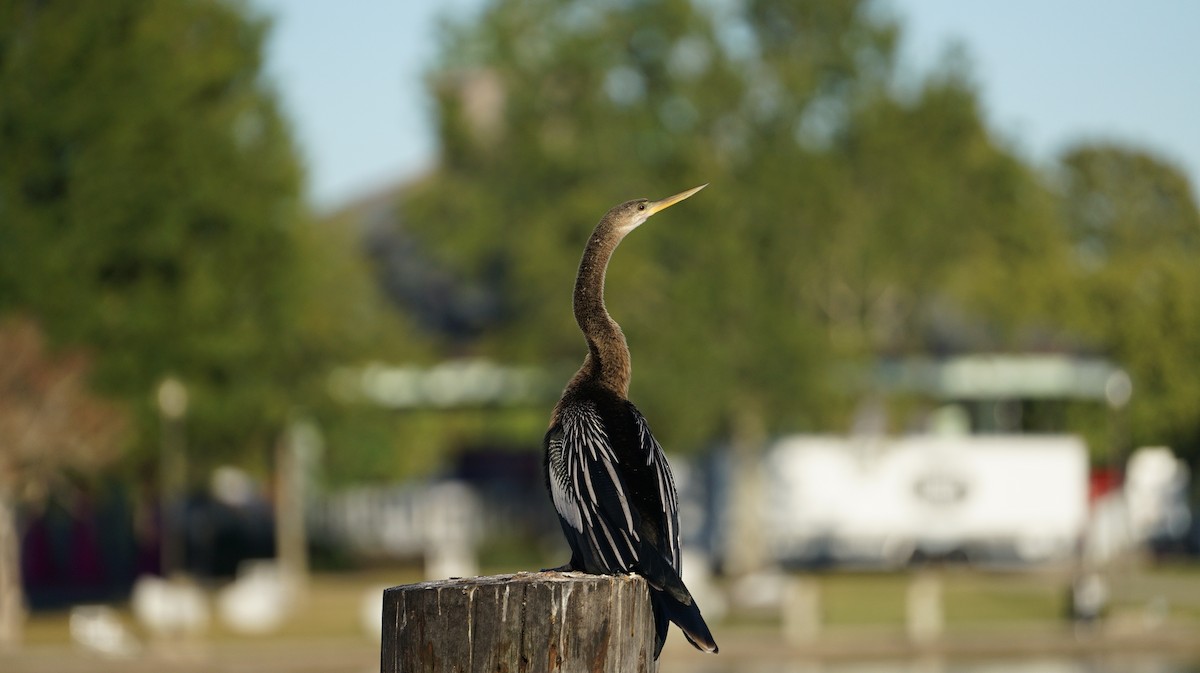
x: 844, y: 208
x: 1134, y: 228
x: 344, y: 324
x: 148, y: 195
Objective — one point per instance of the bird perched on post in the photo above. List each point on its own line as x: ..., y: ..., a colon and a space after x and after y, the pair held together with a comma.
x: 607, y: 475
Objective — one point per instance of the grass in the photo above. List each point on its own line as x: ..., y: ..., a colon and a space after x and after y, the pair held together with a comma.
x: 973, y: 600
x: 968, y: 599
x: 976, y: 599
x: 332, y: 607
x: 863, y: 599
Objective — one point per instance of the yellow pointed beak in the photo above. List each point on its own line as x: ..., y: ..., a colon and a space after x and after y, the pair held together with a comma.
x: 662, y: 204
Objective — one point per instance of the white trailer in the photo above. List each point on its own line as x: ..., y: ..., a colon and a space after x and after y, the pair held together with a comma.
x: 882, y: 501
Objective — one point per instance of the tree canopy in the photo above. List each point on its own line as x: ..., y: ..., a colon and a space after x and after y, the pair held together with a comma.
x: 847, y: 209
x: 150, y: 214
x: 1134, y: 231
x: 151, y: 211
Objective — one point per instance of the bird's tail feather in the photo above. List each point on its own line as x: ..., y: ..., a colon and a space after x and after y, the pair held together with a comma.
x: 672, y: 601
x: 661, y: 623
x: 686, y: 616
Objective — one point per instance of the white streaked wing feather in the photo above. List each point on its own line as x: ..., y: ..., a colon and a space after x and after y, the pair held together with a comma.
x: 589, y: 458
x: 560, y: 490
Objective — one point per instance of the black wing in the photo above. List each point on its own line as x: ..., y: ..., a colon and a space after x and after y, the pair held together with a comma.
x: 669, y: 497
x: 590, y: 492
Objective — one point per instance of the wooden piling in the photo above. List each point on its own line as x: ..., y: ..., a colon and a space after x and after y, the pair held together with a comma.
x: 523, y: 623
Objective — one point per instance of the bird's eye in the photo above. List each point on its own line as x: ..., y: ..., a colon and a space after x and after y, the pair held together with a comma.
x: 641, y: 206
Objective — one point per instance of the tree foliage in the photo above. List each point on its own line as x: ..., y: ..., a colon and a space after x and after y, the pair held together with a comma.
x: 1134, y: 229
x: 149, y: 209
x: 845, y: 209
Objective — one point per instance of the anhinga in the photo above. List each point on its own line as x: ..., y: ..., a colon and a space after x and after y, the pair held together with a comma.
x: 606, y: 473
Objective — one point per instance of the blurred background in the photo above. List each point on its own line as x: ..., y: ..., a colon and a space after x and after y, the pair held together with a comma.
x: 285, y: 305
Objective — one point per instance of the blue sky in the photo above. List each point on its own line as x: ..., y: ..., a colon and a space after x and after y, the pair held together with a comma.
x: 1050, y: 72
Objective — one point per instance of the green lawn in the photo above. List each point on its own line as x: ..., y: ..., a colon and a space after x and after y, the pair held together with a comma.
x: 974, y: 600
x: 848, y: 600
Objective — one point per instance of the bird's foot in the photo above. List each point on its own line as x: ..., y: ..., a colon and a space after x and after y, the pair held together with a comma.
x: 565, y: 568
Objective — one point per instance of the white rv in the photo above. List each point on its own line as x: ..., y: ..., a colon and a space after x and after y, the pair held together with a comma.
x: 883, y: 501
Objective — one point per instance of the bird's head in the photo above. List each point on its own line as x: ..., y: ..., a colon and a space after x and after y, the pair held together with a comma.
x: 631, y: 214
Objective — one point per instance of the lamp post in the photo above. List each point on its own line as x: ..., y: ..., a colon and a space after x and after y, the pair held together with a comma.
x: 295, y: 454
x: 172, y: 398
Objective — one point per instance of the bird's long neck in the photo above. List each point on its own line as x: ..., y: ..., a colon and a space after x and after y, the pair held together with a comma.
x: 607, y: 362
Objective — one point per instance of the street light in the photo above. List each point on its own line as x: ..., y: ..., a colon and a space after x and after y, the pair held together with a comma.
x: 172, y: 398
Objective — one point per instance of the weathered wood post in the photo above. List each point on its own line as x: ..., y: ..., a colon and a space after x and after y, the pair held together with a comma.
x: 528, y: 623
